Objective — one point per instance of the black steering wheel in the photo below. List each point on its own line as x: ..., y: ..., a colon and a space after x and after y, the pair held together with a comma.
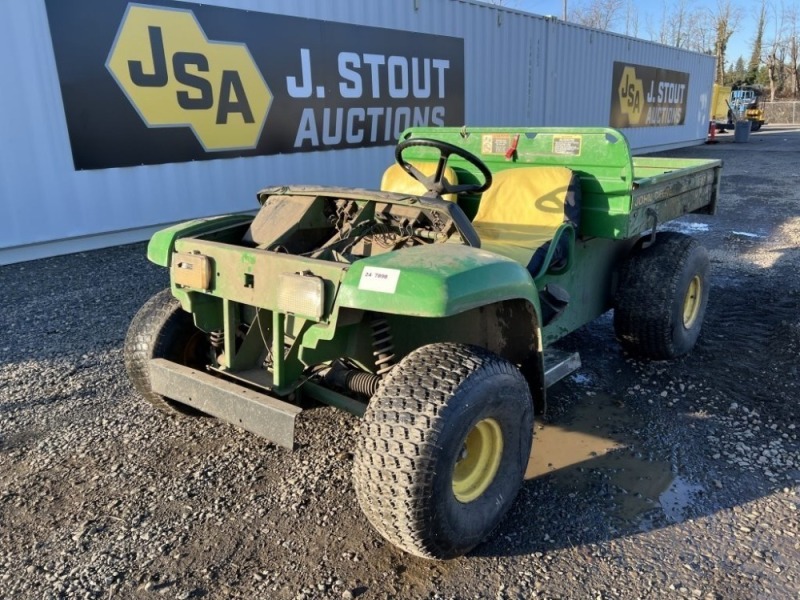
x: 436, y: 182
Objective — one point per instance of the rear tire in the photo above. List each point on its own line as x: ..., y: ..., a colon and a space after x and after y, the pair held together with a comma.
x: 443, y: 449
x: 662, y: 296
x: 162, y: 329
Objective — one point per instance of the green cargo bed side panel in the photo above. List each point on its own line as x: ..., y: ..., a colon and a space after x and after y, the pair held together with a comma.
x: 434, y: 281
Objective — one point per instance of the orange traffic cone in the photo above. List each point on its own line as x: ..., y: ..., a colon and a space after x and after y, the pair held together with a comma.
x: 712, y: 133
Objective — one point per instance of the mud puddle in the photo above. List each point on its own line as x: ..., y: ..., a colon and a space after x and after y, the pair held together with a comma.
x: 600, y: 439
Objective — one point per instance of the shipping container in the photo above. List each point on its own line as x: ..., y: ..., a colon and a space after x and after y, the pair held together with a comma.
x: 122, y: 117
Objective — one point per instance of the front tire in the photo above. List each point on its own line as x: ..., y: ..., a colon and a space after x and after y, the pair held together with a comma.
x: 162, y: 329
x: 661, y: 300
x: 443, y: 449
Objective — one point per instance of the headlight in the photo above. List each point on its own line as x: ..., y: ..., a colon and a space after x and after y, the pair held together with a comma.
x: 301, y: 294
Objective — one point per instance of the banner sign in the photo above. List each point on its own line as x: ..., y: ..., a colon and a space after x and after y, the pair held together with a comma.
x: 163, y: 82
x: 647, y: 97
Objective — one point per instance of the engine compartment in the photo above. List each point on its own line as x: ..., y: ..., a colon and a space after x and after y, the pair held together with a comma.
x: 337, y: 229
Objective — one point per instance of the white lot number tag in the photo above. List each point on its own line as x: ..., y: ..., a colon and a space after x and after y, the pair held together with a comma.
x: 378, y: 279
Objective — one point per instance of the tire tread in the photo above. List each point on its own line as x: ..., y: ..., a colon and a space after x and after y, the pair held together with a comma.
x: 394, y: 457
x: 643, y: 306
x: 149, y: 335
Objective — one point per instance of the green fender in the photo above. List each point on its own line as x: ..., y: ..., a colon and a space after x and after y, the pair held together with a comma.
x: 162, y: 243
x: 437, y: 280
x: 444, y: 282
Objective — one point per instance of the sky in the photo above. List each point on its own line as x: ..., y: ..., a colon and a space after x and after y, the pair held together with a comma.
x: 739, y: 45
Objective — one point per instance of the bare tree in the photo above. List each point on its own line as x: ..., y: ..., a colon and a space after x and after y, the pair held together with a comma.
x: 600, y: 14
x: 789, y: 54
x: 794, y: 59
x: 681, y: 26
x: 660, y: 30
x: 701, y: 34
x: 726, y: 20
x: 794, y: 72
x: 631, y: 19
x: 776, y: 54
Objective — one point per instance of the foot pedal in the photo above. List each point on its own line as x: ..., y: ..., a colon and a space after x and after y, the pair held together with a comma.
x: 558, y: 364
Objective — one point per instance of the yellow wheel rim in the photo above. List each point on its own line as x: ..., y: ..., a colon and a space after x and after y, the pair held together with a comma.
x: 691, y: 302
x: 479, y: 460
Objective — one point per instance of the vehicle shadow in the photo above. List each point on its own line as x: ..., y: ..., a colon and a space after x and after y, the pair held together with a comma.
x: 630, y: 445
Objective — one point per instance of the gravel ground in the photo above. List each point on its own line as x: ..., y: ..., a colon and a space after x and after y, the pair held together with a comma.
x: 695, y: 494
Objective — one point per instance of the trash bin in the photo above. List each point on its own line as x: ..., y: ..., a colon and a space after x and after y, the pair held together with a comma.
x: 741, y: 131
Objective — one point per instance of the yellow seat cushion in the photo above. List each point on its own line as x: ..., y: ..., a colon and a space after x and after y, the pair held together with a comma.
x: 526, y: 196
x: 518, y: 242
x: 395, y: 179
x: 522, y: 210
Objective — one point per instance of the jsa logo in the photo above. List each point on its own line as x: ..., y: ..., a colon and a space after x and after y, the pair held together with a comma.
x: 631, y: 95
x: 174, y: 76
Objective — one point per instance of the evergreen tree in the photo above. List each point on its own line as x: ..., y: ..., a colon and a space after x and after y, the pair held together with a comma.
x: 737, y: 72
x: 755, y: 57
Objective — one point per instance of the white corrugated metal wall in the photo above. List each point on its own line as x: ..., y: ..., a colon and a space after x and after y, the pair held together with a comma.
x: 520, y: 70
x: 578, y: 91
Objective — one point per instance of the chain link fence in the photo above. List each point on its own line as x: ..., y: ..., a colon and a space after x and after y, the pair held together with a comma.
x: 784, y: 112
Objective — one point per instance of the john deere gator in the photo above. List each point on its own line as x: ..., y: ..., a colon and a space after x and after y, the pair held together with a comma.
x: 429, y: 308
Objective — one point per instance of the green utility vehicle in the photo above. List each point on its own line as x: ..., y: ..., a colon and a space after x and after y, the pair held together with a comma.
x: 428, y: 308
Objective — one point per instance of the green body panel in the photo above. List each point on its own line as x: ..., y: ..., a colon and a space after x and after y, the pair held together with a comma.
x: 614, y: 185
x: 250, y: 275
x: 591, y: 283
x: 435, y: 285
x: 438, y: 281
x: 162, y: 243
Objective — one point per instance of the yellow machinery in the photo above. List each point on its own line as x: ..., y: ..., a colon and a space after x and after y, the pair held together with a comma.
x: 719, y: 105
x: 736, y: 103
x: 745, y: 103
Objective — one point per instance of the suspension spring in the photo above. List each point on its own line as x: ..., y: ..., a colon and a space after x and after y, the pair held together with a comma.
x: 362, y: 383
x: 383, y: 347
x: 217, y: 338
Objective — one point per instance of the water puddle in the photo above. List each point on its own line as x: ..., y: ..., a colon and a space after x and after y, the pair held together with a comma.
x: 599, y: 441
x: 555, y: 448
x: 686, y: 227
x: 595, y: 428
x: 677, y: 498
x: 581, y: 378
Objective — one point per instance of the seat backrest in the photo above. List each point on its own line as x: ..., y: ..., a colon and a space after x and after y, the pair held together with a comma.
x: 521, y: 214
x: 395, y: 179
x: 541, y: 196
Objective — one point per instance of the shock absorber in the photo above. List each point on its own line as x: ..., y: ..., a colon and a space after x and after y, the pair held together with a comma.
x: 383, y: 347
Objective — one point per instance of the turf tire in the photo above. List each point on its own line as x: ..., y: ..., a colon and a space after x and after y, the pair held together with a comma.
x: 162, y: 329
x: 650, y: 300
x: 414, y: 432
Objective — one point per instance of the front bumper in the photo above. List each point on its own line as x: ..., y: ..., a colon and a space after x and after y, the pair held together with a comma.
x: 254, y: 411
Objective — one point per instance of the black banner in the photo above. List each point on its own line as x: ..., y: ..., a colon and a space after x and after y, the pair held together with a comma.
x: 162, y: 82
x: 647, y: 96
